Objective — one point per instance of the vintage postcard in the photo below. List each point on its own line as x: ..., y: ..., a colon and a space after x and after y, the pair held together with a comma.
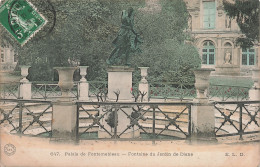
x: 129, y: 83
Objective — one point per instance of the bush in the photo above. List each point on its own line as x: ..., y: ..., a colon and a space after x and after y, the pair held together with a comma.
x: 170, y: 62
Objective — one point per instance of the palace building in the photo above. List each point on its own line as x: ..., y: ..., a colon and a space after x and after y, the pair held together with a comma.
x: 214, y: 35
x: 8, y: 59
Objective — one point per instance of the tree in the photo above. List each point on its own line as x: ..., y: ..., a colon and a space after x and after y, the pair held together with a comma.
x: 68, y: 35
x: 82, y: 31
x: 164, y: 50
x: 246, y: 13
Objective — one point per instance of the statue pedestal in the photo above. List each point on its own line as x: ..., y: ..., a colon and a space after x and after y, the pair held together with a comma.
x: 119, y: 81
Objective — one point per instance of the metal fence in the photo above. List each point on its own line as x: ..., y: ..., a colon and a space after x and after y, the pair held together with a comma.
x: 142, y: 121
x: 130, y: 120
x: 178, y: 91
x: 47, y: 90
x: 182, y: 91
x: 26, y: 117
x: 237, y: 118
x: 96, y: 87
x: 166, y: 90
x: 10, y: 90
x: 225, y: 93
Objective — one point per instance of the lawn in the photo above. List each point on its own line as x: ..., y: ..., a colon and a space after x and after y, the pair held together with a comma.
x: 231, y: 81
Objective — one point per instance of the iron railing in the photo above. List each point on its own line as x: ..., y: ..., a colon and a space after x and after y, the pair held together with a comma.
x: 26, y: 117
x: 96, y: 87
x: 10, y: 90
x: 187, y: 91
x: 237, y: 118
x: 179, y: 91
x: 142, y: 121
x: 164, y: 90
x: 225, y: 93
x: 47, y: 90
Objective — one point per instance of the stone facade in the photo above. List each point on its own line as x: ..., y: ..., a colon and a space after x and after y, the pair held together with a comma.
x: 8, y: 59
x: 214, y: 35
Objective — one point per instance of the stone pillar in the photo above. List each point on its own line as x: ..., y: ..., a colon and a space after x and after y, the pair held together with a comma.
x: 64, y: 121
x: 236, y: 57
x: 202, y: 111
x: 83, y: 86
x: 119, y: 81
x: 64, y: 116
x: 254, y: 92
x: 25, y: 85
x: 219, y: 55
x: 143, y: 84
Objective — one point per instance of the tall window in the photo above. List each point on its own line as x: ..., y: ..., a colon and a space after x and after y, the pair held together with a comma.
x: 209, y: 15
x: 208, y: 53
x: 248, y: 56
x: 2, y: 55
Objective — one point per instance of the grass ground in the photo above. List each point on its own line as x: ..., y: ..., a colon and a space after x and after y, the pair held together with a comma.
x: 231, y: 81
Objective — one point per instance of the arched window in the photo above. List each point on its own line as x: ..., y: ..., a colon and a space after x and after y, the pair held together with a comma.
x: 248, y: 56
x: 208, y: 53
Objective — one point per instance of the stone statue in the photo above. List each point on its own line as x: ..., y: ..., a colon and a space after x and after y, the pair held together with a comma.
x: 127, y: 41
x: 227, y: 58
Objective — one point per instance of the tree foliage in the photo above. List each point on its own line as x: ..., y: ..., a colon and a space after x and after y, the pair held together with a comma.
x: 246, y: 13
x: 164, y: 50
x: 80, y: 32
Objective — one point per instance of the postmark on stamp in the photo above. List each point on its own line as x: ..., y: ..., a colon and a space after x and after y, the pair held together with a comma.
x: 9, y: 149
x: 21, y: 19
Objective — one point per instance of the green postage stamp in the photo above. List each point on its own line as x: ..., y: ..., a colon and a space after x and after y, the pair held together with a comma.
x: 21, y: 19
